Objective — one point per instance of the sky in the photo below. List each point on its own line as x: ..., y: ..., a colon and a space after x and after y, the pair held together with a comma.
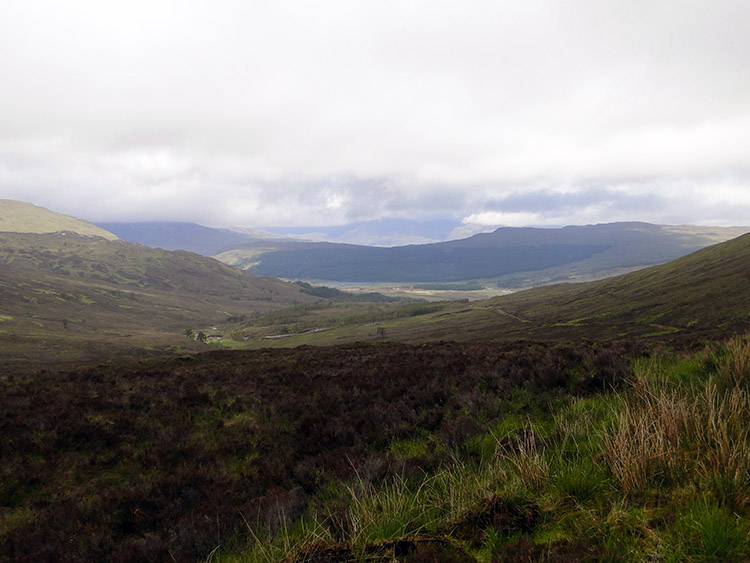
x: 260, y: 113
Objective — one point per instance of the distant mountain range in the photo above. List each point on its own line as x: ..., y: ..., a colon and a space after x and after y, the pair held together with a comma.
x: 206, y: 241
x: 508, y: 257
x: 512, y: 257
x: 211, y: 241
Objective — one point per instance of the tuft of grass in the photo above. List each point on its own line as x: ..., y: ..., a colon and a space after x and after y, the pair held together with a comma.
x: 529, y: 461
x: 721, y: 434
x: 669, y: 431
x: 579, y: 478
x: 411, y: 447
x: 390, y: 511
x: 642, y: 448
x: 708, y: 532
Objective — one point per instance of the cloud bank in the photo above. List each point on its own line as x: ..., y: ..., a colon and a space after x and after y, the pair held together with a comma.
x: 297, y: 113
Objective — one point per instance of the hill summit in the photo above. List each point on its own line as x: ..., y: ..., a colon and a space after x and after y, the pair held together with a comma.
x: 22, y: 217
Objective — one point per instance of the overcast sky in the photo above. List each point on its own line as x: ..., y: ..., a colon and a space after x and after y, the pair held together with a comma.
x: 257, y: 113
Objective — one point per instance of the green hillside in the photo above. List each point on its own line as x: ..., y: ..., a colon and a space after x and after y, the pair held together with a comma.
x: 706, y: 293
x: 71, y: 297
x: 22, y: 217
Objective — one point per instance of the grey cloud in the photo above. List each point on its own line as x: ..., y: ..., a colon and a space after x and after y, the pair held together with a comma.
x: 447, y: 202
x: 565, y: 202
x: 268, y: 113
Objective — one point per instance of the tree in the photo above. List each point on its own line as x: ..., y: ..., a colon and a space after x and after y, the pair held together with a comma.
x: 201, y: 337
x: 189, y: 333
x: 381, y: 332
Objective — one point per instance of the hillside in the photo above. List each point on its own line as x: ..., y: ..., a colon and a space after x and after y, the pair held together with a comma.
x: 71, y: 297
x: 705, y: 291
x: 22, y: 217
x: 511, y: 257
x: 704, y: 294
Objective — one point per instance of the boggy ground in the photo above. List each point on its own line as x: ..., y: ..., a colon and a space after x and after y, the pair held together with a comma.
x: 166, y: 460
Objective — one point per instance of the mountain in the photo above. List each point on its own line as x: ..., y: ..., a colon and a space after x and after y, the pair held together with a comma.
x: 206, y: 241
x: 512, y: 257
x: 509, y: 257
x: 22, y: 217
x: 73, y: 297
x: 442, y: 262
x: 210, y: 241
x: 703, y: 294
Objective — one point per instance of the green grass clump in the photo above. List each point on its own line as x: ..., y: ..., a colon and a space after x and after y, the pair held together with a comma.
x: 708, y: 532
x: 579, y: 478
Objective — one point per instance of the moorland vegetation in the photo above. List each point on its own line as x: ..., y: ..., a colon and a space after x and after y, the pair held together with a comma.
x: 655, y: 469
x: 390, y: 452
x: 607, y: 421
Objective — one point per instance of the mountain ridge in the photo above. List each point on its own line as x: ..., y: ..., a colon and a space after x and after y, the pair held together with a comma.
x: 206, y: 241
x: 594, y: 251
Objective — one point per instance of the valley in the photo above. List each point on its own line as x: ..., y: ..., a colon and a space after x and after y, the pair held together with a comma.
x: 505, y: 258
x: 375, y: 282
x: 69, y: 297
x: 160, y: 405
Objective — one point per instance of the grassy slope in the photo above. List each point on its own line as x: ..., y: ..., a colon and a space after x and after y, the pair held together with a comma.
x: 21, y: 217
x: 69, y: 297
x: 705, y: 293
x: 631, y: 246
